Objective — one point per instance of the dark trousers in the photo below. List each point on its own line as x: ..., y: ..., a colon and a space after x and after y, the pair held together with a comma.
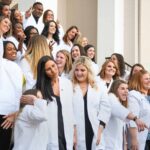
x: 5, y: 136
x: 147, y: 146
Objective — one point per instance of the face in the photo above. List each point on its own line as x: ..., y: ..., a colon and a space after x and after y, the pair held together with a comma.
x: 51, y: 69
x: 81, y: 73
x: 146, y: 81
x: 10, y: 52
x: 6, y: 11
x: 7, y: 2
x: 72, y: 33
x: 136, y: 69
x: 114, y: 59
x: 38, y: 10
x: 122, y: 92
x: 50, y: 16
x: 110, y: 69
x: 18, y: 16
x: 5, y: 25
x: 91, y: 52
x: 33, y: 32
x: 52, y: 28
x: 18, y: 28
x: 60, y: 60
x: 84, y: 41
x: 75, y: 52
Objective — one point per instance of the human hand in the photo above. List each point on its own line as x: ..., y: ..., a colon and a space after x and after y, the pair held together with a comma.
x: 28, y: 99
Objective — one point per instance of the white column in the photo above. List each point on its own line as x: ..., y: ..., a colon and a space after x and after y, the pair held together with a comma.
x: 110, y: 28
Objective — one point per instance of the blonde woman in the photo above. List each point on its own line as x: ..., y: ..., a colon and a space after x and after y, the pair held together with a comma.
x: 91, y: 107
x: 64, y: 63
x: 36, y: 49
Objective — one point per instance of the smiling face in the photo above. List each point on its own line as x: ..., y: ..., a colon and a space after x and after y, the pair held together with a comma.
x: 10, y: 52
x: 110, y: 69
x: 38, y: 10
x: 75, y: 52
x: 5, y: 25
x: 60, y: 60
x: 72, y: 33
x: 51, y: 69
x: 52, y: 28
x: 146, y: 81
x: 91, y: 52
x: 136, y: 69
x: 122, y: 92
x: 49, y: 16
x: 6, y: 11
x: 81, y: 73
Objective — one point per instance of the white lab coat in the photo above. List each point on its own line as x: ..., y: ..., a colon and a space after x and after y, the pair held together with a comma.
x: 140, y: 106
x: 30, y: 81
x: 102, y: 83
x: 31, y: 128
x: 66, y: 94
x: 113, y: 134
x: 98, y: 109
x: 31, y: 22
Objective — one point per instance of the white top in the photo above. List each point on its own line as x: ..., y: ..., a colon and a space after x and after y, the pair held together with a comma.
x: 11, y: 80
x: 31, y: 130
x: 65, y: 46
x: 113, y: 134
x: 30, y: 81
x: 140, y: 106
x: 95, y: 68
x: 31, y: 22
x: 98, y: 109
x: 66, y: 94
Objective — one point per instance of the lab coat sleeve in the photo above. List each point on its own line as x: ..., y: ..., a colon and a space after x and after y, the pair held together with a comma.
x: 117, y: 109
x: 104, y: 108
x: 1, y: 52
x: 134, y: 107
x: 37, y: 113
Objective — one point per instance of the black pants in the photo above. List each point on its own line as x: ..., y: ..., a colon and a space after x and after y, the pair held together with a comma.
x: 5, y: 136
x: 147, y: 145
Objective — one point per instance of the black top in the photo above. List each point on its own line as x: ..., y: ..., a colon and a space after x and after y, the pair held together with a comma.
x: 61, y: 133
x: 88, y: 127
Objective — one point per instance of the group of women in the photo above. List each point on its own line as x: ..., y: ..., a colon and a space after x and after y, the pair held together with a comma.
x: 84, y: 107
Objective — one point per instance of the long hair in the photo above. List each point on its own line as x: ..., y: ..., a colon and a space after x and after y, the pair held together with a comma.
x: 37, y: 48
x: 66, y: 35
x: 45, y: 15
x: 121, y: 63
x: 85, y: 61
x: 135, y: 65
x: 86, y: 49
x: 114, y: 89
x: 46, y: 29
x: 27, y: 32
x: 135, y: 83
x: 102, y: 71
x: 81, y: 49
x: 68, y: 65
x: 43, y: 82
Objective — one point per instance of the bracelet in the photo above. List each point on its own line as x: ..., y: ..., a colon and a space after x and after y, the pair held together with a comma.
x: 135, y: 118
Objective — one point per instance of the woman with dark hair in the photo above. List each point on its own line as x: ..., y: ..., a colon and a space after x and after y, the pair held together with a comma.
x: 77, y: 51
x: 58, y: 92
x: 69, y: 38
x: 51, y: 33
x: 135, y: 69
x: 119, y: 61
x: 4, y: 10
x: 114, y: 134
x: 10, y: 50
x: 30, y: 31
x: 90, y: 52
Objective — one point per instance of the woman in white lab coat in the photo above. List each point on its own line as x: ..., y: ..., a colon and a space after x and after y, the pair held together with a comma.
x: 58, y: 92
x: 108, y: 73
x: 114, y: 133
x: 91, y: 106
x: 139, y: 85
